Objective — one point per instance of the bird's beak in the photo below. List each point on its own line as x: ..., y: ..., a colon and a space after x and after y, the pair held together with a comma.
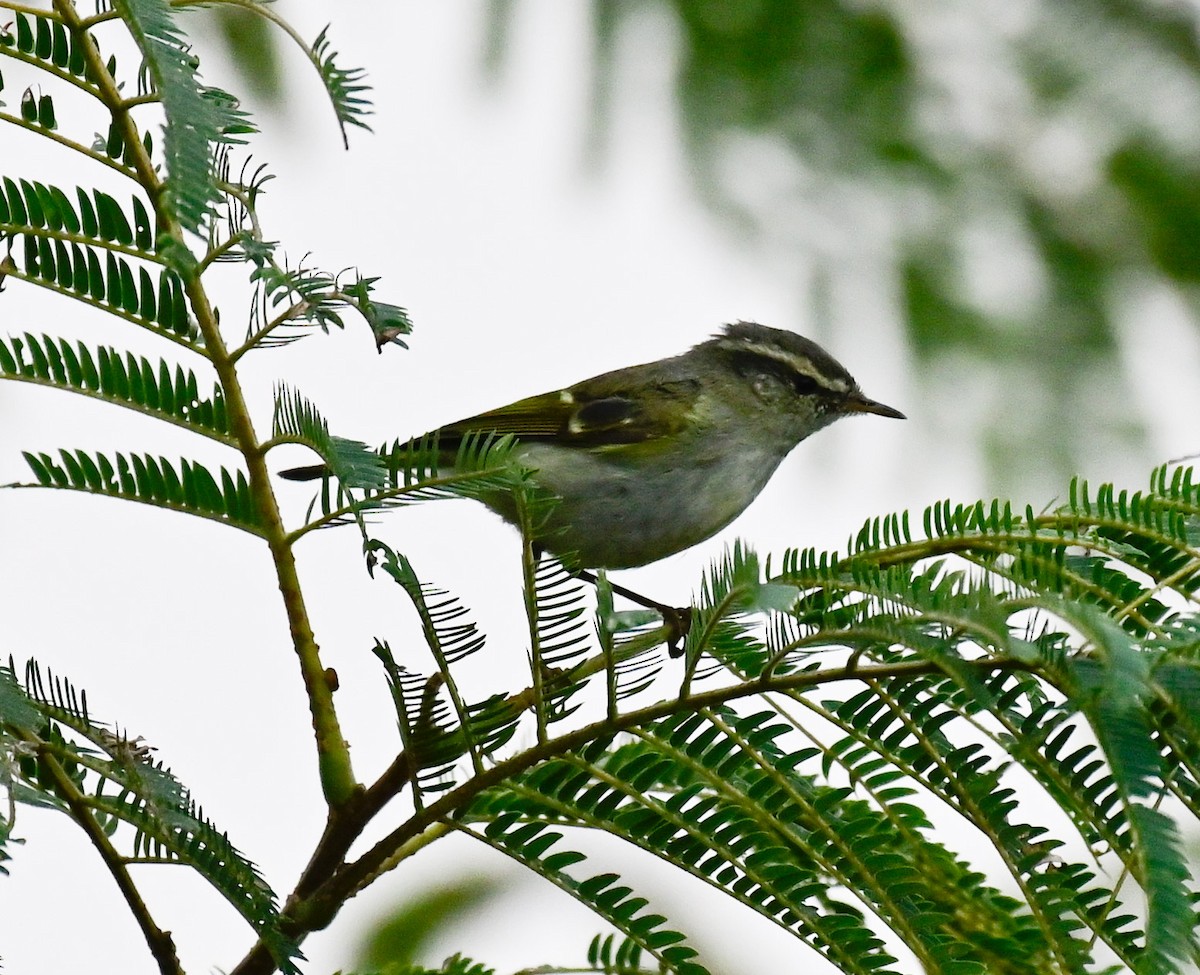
x: 860, y: 404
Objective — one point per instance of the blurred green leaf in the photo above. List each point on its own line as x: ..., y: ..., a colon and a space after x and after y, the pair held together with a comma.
x: 1164, y: 194
x: 833, y: 79
x: 401, y: 937
x: 252, y: 45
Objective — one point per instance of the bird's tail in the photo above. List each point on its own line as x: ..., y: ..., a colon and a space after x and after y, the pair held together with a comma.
x: 309, y: 473
x: 397, y: 456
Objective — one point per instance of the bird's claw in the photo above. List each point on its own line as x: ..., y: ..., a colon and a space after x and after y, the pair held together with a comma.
x: 678, y: 621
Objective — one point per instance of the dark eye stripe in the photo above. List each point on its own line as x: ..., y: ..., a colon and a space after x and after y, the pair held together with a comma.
x: 748, y: 363
x: 805, y: 385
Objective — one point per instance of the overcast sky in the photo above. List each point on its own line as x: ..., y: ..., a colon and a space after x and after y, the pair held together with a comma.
x: 524, y: 269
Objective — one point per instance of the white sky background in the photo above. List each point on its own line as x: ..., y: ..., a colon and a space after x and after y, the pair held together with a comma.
x: 523, y: 271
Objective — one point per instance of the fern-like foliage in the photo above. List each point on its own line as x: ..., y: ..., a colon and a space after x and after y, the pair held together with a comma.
x: 55, y: 754
x: 42, y: 42
x: 89, y: 249
x: 730, y: 594
x: 359, y: 482
x: 831, y: 716
x: 454, y: 965
x: 616, y: 957
x: 46, y: 43
x: 290, y: 301
x: 346, y: 88
x: 310, y: 295
x: 29, y: 206
x: 125, y: 380
x: 605, y: 955
x: 297, y: 420
x: 188, y: 487
x: 416, y: 471
x: 889, y: 689
x: 130, y: 256
x: 438, y: 725
x: 534, y: 844
x: 198, y: 118
x: 917, y: 674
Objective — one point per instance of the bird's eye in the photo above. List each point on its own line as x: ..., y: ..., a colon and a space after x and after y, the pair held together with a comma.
x: 805, y: 385
x: 778, y: 384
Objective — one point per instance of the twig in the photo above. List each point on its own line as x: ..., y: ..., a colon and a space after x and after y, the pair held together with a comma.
x: 160, y: 942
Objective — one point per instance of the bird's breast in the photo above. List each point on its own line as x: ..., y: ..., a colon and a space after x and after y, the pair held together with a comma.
x: 619, y: 512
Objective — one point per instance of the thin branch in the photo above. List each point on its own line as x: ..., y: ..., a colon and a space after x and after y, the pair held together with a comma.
x: 103, y: 17
x: 292, y: 312
x: 265, y: 12
x: 316, y: 906
x: 333, y: 753
x: 150, y: 98
x: 1186, y: 571
x: 160, y: 942
x: 570, y: 741
x: 529, y: 566
x: 220, y: 250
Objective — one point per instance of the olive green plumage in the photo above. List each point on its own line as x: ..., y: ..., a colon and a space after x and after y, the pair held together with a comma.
x: 651, y: 459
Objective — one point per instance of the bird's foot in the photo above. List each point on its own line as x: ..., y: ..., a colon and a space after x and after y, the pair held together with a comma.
x: 677, y: 620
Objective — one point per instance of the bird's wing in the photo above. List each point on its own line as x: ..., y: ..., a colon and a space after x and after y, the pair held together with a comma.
x: 586, y: 415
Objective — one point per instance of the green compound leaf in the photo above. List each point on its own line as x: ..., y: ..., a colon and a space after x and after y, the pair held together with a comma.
x: 345, y: 86
x: 43, y: 40
x: 299, y: 421
x: 124, y: 786
x: 534, y: 844
x: 45, y: 210
x: 147, y: 294
x: 198, y: 118
x: 125, y: 380
x: 150, y: 480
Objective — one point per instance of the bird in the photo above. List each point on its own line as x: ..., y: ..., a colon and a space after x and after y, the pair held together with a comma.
x: 649, y: 460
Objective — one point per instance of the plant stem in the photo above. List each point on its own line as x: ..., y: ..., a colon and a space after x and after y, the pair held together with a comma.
x: 333, y: 754
x: 315, y: 903
x: 160, y: 942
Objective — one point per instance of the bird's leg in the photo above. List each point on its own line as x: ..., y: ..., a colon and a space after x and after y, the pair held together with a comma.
x: 677, y: 619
